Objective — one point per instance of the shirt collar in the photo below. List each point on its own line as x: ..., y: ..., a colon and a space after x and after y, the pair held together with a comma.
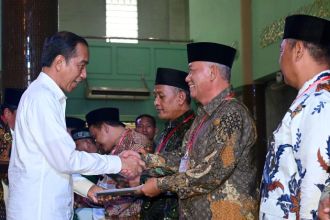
x: 180, y: 119
x: 215, y: 102
x: 311, y: 81
x: 59, y: 94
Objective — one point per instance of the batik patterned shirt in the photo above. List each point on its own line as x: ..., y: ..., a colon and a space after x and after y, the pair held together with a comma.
x: 124, y: 207
x: 166, y: 162
x: 220, y: 182
x: 5, y: 146
x: 295, y: 171
x: 5, y: 141
x: 168, y: 151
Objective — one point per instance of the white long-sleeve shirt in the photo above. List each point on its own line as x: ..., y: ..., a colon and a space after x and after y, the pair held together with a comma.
x: 43, y: 157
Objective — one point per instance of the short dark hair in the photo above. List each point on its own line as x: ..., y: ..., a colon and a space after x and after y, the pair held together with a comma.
x: 3, y: 107
x: 61, y: 43
x: 152, y: 119
x: 111, y: 123
x: 320, y: 53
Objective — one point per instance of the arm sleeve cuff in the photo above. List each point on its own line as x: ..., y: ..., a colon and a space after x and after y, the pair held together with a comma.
x: 81, y: 186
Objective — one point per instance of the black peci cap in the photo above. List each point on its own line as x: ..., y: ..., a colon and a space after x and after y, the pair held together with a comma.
x: 211, y: 52
x: 307, y: 28
x: 172, y: 77
x: 102, y: 115
x: 72, y: 122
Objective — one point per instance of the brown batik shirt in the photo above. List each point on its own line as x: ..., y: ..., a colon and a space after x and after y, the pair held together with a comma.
x: 5, y: 141
x: 125, y: 207
x: 5, y: 147
x: 220, y: 182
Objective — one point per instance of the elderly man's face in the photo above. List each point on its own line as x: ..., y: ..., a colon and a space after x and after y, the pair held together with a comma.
x: 197, y: 79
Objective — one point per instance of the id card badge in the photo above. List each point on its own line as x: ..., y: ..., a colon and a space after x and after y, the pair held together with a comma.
x: 184, y: 164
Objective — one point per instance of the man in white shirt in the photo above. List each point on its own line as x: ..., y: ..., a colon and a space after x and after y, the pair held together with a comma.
x: 43, y: 156
x: 297, y: 163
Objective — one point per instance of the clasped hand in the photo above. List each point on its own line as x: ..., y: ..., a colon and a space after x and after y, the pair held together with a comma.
x: 132, y: 165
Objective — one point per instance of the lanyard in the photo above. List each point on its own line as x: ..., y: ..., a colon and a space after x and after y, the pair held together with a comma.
x: 119, y: 142
x: 165, y: 140
x: 324, y: 78
x: 194, y: 133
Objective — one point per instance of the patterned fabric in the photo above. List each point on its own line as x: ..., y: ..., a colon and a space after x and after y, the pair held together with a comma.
x: 5, y: 141
x: 166, y: 163
x: 326, y: 192
x: 220, y: 182
x: 125, y: 207
x: 83, y: 202
x: 5, y: 146
x: 297, y: 161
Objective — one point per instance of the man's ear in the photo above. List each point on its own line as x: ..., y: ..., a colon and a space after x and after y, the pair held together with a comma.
x: 299, y: 50
x: 59, y: 61
x: 213, y: 72
x: 181, y: 97
x: 106, y: 127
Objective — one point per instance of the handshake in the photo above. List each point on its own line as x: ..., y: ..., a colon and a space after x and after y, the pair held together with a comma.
x: 131, y: 164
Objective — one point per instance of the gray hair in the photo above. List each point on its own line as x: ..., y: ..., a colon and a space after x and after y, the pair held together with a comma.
x: 224, y: 70
x: 187, y: 93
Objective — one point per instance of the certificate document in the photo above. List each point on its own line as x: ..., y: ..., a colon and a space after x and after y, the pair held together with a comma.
x: 120, y: 192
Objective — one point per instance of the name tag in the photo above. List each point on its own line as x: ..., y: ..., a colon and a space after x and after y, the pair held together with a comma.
x: 184, y: 164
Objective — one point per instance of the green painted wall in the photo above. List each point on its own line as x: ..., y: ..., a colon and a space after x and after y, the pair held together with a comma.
x: 217, y: 21
x: 123, y: 65
x: 83, y: 17
x: 118, y: 65
x: 220, y: 21
x: 265, y: 12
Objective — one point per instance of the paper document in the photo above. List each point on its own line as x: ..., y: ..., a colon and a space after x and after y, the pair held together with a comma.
x: 120, y: 192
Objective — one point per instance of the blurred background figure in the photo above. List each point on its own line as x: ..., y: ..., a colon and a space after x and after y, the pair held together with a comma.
x: 74, y: 123
x: 146, y: 124
x: 7, y: 125
x: 84, y: 208
x: 84, y: 140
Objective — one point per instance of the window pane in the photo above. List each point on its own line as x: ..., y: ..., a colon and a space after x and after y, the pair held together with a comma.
x: 121, y: 19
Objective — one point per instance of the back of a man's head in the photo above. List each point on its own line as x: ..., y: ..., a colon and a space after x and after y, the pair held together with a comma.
x: 61, y: 43
x: 313, y: 31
